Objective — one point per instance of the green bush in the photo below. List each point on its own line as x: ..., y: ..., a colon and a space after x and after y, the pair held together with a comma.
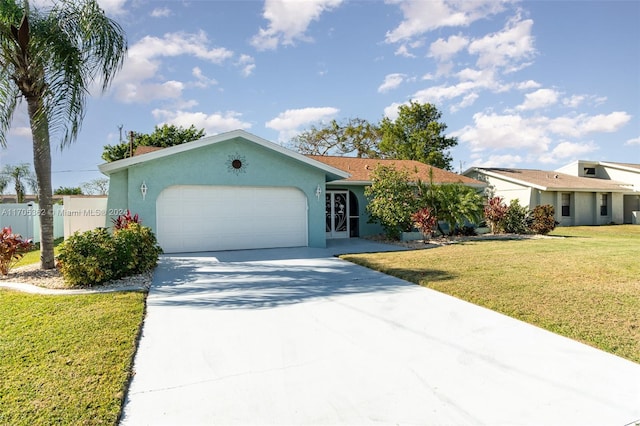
x: 543, y: 219
x: 94, y: 257
x: 138, y: 249
x: 87, y: 258
x: 515, y: 219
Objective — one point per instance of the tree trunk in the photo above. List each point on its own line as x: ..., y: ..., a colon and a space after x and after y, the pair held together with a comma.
x: 42, y: 166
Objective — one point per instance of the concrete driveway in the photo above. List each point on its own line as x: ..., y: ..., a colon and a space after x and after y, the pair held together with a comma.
x: 295, y: 336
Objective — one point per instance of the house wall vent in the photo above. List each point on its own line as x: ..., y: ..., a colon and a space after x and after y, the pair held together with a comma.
x: 589, y: 171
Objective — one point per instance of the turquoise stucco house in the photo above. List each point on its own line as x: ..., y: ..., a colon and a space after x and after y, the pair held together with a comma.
x: 236, y: 190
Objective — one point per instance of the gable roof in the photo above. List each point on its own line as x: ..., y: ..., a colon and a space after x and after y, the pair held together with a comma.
x: 624, y: 166
x: 332, y: 173
x: 554, y: 181
x: 360, y: 170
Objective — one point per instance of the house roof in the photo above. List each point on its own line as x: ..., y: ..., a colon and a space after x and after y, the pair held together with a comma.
x: 146, y: 149
x: 360, y: 170
x: 628, y: 166
x: 332, y: 173
x: 555, y: 181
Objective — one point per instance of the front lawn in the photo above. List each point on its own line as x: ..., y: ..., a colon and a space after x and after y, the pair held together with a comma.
x: 66, y: 359
x: 585, y: 285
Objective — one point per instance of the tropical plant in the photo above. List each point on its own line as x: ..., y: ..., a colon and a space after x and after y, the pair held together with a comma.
x: 516, y: 218
x: 51, y: 58
x: 12, y: 248
x: 21, y: 175
x: 494, y: 212
x: 124, y: 220
x: 392, y: 200
x: 425, y: 220
x: 543, y: 219
x: 68, y: 190
x: 456, y: 205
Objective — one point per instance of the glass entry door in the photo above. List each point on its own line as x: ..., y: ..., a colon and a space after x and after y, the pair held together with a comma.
x: 337, y: 213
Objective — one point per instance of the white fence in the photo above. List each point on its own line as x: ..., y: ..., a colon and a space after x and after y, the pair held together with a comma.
x: 77, y: 214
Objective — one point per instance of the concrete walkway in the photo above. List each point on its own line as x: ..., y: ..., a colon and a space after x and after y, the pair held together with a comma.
x: 295, y: 336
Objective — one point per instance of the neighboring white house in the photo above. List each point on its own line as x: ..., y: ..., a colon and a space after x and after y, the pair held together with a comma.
x: 582, y: 193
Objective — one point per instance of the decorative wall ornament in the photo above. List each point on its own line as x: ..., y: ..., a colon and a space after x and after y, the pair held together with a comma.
x: 237, y: 163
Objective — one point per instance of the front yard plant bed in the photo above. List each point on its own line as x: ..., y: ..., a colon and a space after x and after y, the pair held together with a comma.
x: 66, y: 359
x: 583, y: 284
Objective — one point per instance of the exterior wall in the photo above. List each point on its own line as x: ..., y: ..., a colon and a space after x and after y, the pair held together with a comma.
x: 211, y: 165
x: 631, y: 203
x: 623, y: 176
x: 507, y: 190
x: 118, y: 195
x: 83, y: 214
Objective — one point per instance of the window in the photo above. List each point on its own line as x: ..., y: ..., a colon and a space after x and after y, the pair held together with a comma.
x: 589, y: 171
x: 604, y: 211
x: 566, y: 204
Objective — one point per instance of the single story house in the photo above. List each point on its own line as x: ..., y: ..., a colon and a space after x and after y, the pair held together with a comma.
x: 579, y: 196
x: 238, y: 191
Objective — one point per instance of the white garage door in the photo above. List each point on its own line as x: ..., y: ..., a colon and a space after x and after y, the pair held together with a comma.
x: 209, y: 218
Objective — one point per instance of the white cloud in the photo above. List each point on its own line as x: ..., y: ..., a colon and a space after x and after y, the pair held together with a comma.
x: 289, y: 20
x: 161, y: 12
x: 634, y: 141
x: 582, y: 124
x: 536, y: 134
x: 526, y: 85
x: 247, y: 65
x: 289, y: 122
x: 421, y: 16
x: 202, y: 81
x: 539, y: 99
x: 391, y: 112
x: 148, y: 92
x: 506, y: 49
x: 506, y: 160
x: 215, y: 123
x: 115, y: 7
x: 444, y: 50
x: 391, y: 81
x: 493, y: 131
x: 567, y: 150
x: 573, y: 101
x: 403, y: 50
x: 20, y: 131
x: 144, y: 62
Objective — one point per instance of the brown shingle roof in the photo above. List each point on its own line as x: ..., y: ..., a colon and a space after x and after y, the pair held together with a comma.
x: 361, y: 168
x: 549, y: 180
x: 146, y: 149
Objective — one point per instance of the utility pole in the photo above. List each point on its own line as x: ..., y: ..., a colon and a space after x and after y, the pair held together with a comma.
x: 130, y: 144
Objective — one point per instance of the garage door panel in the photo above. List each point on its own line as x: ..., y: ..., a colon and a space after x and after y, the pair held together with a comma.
x: 208, y: 218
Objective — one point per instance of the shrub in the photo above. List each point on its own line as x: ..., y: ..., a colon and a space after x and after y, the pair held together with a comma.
x: 465, y: 231
x: 543, y: 219
x: 86, y: 258
x: 94, y: 257
x: 137, y: 249
x: 425, y: 221
x: 515, y: 219
x: 392, y: 200
x: 494, y: 212
x: 12, y: 248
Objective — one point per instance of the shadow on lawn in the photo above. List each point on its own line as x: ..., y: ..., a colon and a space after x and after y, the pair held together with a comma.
x: 208, y: 283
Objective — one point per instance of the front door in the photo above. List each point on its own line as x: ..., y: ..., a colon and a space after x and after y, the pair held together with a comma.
x: 337, y: 212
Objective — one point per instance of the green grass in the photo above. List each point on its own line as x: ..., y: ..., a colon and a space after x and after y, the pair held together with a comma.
x: 34, y: 255
x: 66, y: 359
x: 585, y: 286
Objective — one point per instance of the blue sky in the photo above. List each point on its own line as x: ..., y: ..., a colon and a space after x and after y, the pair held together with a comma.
x: 520, y: 84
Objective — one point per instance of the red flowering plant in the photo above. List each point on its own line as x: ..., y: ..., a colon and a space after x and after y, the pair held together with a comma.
x: 494, y: 211
x: 123, y: 221
x: 12, y: 249
x: 425, y: 220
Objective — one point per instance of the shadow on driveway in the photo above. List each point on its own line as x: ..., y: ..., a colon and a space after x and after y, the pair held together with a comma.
x: 205, y: 281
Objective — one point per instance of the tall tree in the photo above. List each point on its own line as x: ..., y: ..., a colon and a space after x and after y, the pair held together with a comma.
x: 98, y: 186
x: 21, y: 175
x: 50, y: 58
x: 354, y: 136
x: 164, y: 136
x: 417, y: 134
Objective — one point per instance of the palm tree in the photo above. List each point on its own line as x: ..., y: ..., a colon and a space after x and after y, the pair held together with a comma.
x: 50, y: 58
x: 20, y: 175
